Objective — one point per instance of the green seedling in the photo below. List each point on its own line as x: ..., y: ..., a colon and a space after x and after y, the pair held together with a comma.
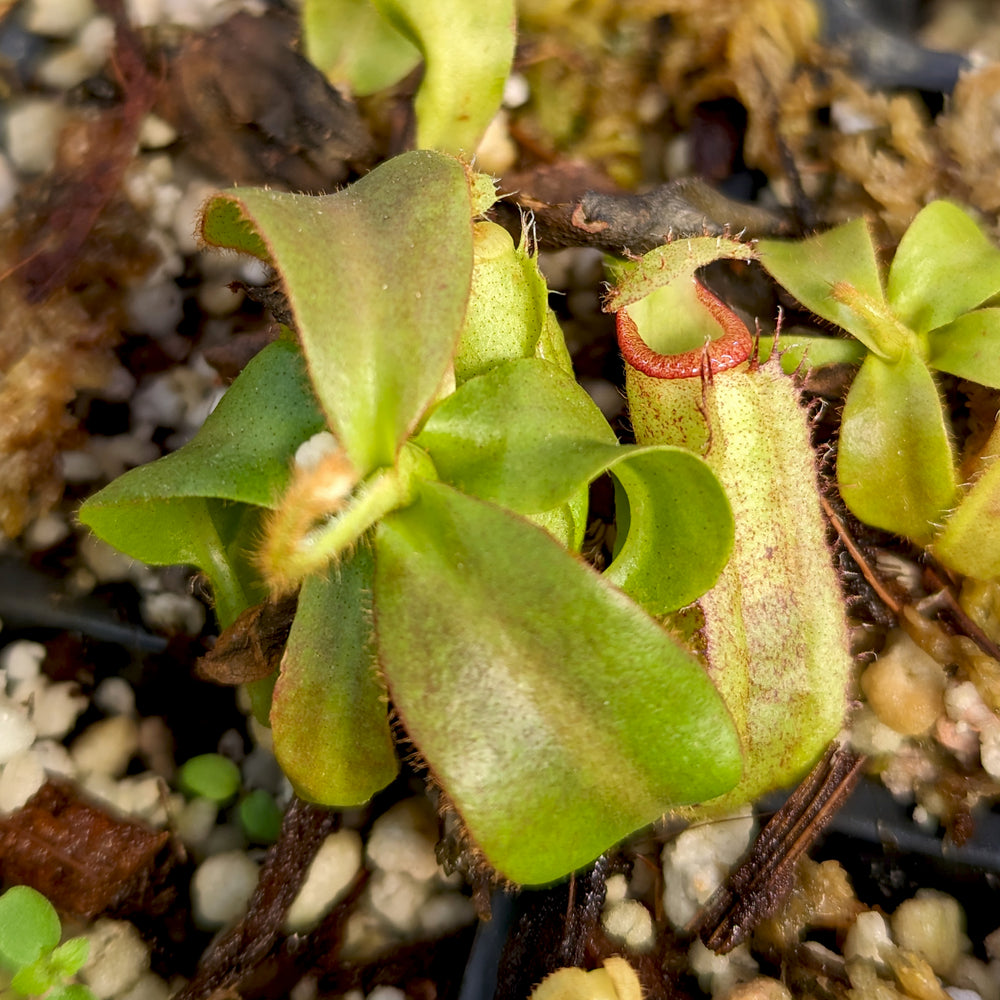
x: 216, y: 778
x: 33, y: 962
x: 414, y: 462
x: 772, y: 630
x: 260, y: 817
x: 210, y: 776
x: 896, y: 467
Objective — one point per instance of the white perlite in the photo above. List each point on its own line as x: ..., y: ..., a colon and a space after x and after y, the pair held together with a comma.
x: 221, y: 887
x: 57, y: 18
x: 118, y: 958
x: 868, y: 938
x: 630, y: 923
x: 717, y: 974
x: 56, y: 707
x: 387, y: 993
x: 333, y: 869
x: 107, y: 746
x: 32, y: 133
x: 21, y: 661
x: 933, y: 925
x: 16, y: 731
x: 402, y: 840
x: 397, y: 899
x: 696, y: 862
x: 21, y: 777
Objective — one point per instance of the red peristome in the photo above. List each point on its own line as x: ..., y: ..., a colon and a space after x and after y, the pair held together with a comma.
x: 731, y: 349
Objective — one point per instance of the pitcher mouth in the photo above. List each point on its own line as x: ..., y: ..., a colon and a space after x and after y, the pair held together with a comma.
x: 731, y: 349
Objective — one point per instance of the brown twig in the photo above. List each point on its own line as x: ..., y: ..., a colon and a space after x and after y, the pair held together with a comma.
x: 238, y: 952
x: 961, y: 616
x: 890, y: 601
x: 757, y: 887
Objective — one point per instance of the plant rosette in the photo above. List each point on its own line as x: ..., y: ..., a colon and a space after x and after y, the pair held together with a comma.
x: 30, y: 952
x: 772, y: 630
x: 415, y: 462
x: 896, y: 463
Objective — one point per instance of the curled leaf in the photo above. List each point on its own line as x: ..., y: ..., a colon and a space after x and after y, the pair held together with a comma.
x: 527, y: 437
x: 668, y: 264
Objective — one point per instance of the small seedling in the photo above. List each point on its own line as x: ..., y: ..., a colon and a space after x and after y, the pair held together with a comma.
x: 211, y: 776
x: 260, y: 817
x: 30, y: 953
x: 896, y: 467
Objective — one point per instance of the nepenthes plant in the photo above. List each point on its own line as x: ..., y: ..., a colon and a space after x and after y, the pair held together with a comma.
x: 406, y: 470
x: 444, y: 487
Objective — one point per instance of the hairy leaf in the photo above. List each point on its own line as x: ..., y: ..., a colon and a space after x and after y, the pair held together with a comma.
x: 329, y: 712
x: 196, y: 506
x: 895, y: 462
x: 969, y: 347
x: 669, y: 264
x: 377, y: 276
x: 812, y: 269
x: 527, y: 437
x: 557, y: 715
x: 943, y: 267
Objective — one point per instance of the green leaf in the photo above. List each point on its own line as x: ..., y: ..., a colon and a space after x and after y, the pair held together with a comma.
x: 72, y: 991
x: 329, y: 713
x: 377, y: 276
x: 211, y: 776
x: 70, y: 956
x: 970, y: 541
x: 29, y: 927
x: 243, y: 452
x: 799, y: 349
x: 895, y: 463
x: 508, y: 309
x: 468, y: 49
x: 556, y: 715
x: 223, y: 224
x: 525, y: 436
x: 349, y: 41
x: 193, y: 506
x: 943, y: 267
x: 35, y: 978
x: 811, y: 269
x: 260, y: 817
x: 969, y: 347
